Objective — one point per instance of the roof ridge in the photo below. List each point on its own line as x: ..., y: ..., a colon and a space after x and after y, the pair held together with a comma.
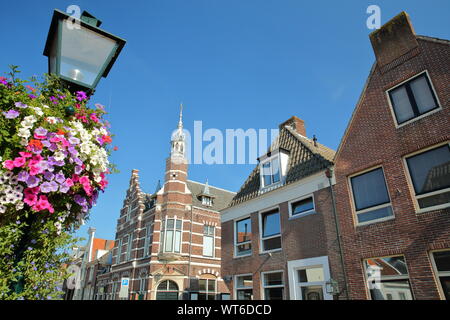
x: 433, y: 39
x: 298, y: 135
x: 211, y: 186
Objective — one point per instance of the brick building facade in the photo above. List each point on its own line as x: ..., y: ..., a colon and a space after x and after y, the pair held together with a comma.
x: 168, y: 244
x: 279, y: 233
x: 392, y: 171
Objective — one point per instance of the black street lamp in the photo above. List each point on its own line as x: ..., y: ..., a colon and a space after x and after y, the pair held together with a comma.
x: 79, y: 52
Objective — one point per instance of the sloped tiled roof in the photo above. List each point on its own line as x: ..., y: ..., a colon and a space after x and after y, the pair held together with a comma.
x: 221, y: 197
x: 305, y: 158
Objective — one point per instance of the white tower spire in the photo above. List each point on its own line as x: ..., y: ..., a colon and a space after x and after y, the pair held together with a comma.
x: 178, y: 143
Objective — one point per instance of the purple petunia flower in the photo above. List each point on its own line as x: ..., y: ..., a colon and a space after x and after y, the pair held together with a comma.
x: 54, y: 186
x: 21, y: 105
x: 11, y: 114
x: 47, y: 187
x: 53, y: 147
x: 73, y: 151
x: 78, y: 161
x: 64, y: 188
x: 60, y: 177
x: 33, y: 181
x: 78, y: 169
x: 41, y: 131
x: 23, y: 176
x: 74, y: 140
x: 79, y: 200
x: 49, y: 176
x: 81, y: 95
x: 44, y: 165
x: 32, y: 96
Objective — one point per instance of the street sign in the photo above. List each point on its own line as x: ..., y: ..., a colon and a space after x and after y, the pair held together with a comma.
x: 124, y: 284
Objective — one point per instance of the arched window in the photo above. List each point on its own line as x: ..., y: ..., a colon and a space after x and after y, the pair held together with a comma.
x: 167, y: 290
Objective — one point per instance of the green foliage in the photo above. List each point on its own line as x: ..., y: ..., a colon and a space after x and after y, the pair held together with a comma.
x: 34, y: 246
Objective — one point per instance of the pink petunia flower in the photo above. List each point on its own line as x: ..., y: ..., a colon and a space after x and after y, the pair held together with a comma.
x: 8, y: 164
x: 19, y: 162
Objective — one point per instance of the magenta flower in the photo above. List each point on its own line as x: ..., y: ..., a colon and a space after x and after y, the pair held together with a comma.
x: 8, y: 164
x: 11, y: 114
x: 81, y: 95
x: 19, y: 162
x: 30, y: 199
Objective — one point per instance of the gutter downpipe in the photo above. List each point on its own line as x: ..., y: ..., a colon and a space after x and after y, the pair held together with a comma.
x: 329, y: 174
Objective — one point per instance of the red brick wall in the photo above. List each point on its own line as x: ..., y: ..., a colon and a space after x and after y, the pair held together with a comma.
x: 372, y: 139
x: 304, y: 237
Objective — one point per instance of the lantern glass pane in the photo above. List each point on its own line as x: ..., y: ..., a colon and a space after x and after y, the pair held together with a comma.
x: 83, y: 52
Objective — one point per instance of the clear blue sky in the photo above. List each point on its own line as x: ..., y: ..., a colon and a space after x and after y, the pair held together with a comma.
x: 233, y: 63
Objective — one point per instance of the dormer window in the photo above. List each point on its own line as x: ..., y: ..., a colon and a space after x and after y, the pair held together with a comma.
x: 206, y: 201
x: 273, y: 169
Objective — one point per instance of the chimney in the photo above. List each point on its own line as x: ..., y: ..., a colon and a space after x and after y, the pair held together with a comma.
x: 394, y: 39
x: 296, y: 123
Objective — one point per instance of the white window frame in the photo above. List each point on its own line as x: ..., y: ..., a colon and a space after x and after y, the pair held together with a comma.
x: 130, y: 246
x: 280, y: 173
x: 128, y: 215
x: 236, y: 288
x: 142, y: 287
x: 411, y: 185
x: 213, y: 241
x: 261, y: 238
x: 175, y: 230
x: 391, y: 106
x: 207, y: 292
x: 306, y: 213
x: 206, y: 201
x: 148, y: 233
x: 388, y: 278
x: 302, y: 264
x: 439, y: 274
x: 119, y: 251
x: 356, y: 212
x: 263, y: 286
x: 235, y: 255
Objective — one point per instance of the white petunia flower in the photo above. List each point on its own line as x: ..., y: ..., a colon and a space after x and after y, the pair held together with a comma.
x: 38, y: 111
x: 24, y: 133
x: 59, y: 155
